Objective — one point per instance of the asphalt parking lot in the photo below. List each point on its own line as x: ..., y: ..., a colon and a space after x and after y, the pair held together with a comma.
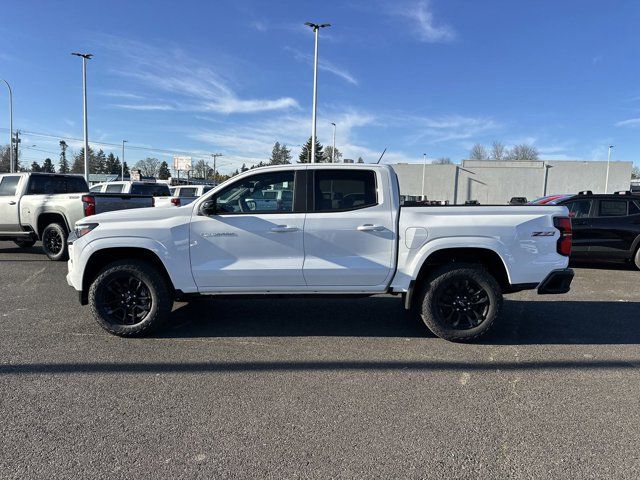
x: 318, y: 388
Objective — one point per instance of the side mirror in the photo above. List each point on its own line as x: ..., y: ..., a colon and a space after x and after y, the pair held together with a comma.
x: 208, y: 208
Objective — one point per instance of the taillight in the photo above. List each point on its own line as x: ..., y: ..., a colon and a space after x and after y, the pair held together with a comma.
x: 175, y: 201
x: 89, y: 204
x: 564, y: 242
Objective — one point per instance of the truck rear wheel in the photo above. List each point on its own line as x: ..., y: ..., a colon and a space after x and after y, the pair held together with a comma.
x: 637, y: 258
x: 130, y: 298
x: 54, y: 242
x: 460, y: 302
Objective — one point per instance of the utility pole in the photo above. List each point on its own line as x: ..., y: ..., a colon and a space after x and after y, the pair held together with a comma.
x: 333, y: 152
x: 122, y: 164
x: 16, y: 141
x: 606, y: 181
x: 424, y: 169
x: 85, y: 57
x: 315, y: 28
x: 215, y: 158
x: 11, y: 165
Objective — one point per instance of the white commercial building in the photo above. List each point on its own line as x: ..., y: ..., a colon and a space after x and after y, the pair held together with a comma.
x: 493, y: 182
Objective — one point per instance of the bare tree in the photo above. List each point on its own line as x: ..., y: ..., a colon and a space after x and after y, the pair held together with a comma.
x: 149, y: 167
x: 442, y: 161
x: 498, y: 151
x: 478, y: 152
x: 523, y: 151
x: 635, y: 172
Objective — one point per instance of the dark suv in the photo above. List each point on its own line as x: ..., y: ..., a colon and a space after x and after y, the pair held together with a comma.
x: 605, y: 226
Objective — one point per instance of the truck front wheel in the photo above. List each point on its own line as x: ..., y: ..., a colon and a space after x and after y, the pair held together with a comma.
x: 130, y: 298
x: 460, y: 302
x: 54, y: 242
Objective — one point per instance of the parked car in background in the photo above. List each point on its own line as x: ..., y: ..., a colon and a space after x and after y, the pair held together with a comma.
x: 45, y: 206
x: 605, y: 226
x: 185, y: 194
x: 518, y: 201
x: 318, y: 229
x: 159, y: 191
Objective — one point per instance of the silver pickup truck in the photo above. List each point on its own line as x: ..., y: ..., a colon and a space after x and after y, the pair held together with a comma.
x: 45, y: 206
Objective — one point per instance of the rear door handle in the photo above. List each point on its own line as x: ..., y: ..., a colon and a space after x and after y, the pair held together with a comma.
x: 284, y: 229
x: 369, y: 227
x: 12, y: 202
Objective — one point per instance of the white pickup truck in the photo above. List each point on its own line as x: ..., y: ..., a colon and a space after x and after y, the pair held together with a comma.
x: 345, y: 233
x: 45, y: 206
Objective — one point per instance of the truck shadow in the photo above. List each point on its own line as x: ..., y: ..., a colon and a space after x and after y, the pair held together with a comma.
x: 523, y: 322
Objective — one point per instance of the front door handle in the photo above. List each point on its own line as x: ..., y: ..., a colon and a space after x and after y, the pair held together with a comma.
x: 369, y: 227
x: 284, y: 228
x: 12, y: 202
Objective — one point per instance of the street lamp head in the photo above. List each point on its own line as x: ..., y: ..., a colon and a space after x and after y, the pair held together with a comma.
x: 333, y: 124
x: 316, y: 26
x: 86, y: 56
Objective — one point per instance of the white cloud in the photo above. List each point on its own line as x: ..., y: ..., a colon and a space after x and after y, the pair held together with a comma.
x: 631, y: 122
x: 325, y: 65
x: 121, y: 94
x: 143, y: 107
x: 449, y: 127
x: 424, y: 26
x: 192, y: 84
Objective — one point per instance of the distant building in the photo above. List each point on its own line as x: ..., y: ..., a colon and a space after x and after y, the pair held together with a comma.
x: 496, y: 182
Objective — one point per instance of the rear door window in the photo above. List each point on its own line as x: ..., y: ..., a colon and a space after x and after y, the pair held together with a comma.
x: 46, y: 185
x: 9, y: 185
x: 188, y: 192
x: 340, y: 190
x: 117, y: 188
x: 579, y: 208
x: 634, y: 208
x: 612, y: 208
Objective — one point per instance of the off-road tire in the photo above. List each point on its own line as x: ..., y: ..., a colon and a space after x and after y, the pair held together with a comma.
x: 160, y: 291
x: 54, y: 242
x: 435, y: 287
x: 25, y: 243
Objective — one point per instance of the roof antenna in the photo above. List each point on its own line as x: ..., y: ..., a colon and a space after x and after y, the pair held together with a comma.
x: 383, y: 152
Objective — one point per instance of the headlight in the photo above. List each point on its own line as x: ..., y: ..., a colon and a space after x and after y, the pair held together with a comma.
x: 84, y: 228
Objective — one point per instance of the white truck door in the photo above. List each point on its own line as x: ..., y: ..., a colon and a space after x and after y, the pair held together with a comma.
x: 247, y: 242
x: 349, y: 233
x: 9, y: 203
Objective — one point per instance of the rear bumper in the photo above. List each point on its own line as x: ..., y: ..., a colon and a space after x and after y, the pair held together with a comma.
x: 558, y: 281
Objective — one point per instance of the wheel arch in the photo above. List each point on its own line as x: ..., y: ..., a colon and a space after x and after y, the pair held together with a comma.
x: 103, y: 257
x: 47, y: 218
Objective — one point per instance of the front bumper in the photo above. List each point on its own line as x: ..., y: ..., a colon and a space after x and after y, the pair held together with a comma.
x: 558, y: 281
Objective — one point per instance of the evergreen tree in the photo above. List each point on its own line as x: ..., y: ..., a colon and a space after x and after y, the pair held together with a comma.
x: 280, y: 154
x: 112, y: 164
x: 78, y: 161
x: 64, y: 163
x: 35, y: 167
x: 99, y: 163
x: 360, y: 160
x: 244, y: 168
x: 164, y: 173
x: 48, y: 167
x: 305, y: 153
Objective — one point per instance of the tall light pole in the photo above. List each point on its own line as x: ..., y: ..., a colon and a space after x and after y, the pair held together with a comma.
x: 85, y: 57
x: 606, y: 181
x: 122, y: 164
x: 11, y: 166
x: 424, y: 169
x: 215, y: 158
x: 316, y: 27
x: 333, y: 152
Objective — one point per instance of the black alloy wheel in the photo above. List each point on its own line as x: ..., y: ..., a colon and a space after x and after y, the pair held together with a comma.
x: 462, y: 303
x: 125, y: 300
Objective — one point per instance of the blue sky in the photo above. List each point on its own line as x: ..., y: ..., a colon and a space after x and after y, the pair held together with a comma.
x: 412, y: 76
